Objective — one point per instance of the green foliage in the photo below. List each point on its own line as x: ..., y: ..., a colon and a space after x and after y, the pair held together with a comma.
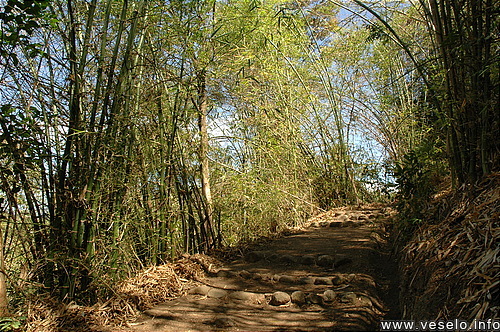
x: 251, y: 208
x: 417, y: 177
x: 19, y: 20
x: 412, y: 178
x: 11, y: 324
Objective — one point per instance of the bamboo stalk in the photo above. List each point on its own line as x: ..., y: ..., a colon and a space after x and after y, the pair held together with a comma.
x: 4, y: 300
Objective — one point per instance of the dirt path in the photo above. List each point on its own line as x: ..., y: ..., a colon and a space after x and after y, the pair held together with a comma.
x: 334, y: 275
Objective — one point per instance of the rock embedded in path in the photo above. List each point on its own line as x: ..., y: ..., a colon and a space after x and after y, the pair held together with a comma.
x: 246, y: 296
x: 307, y: 280
x: 308, y: 260
x: 338, y: 280
x: 200, y: 290
x: 226, y: 274
x: 349, y: 297
x: 287, y: 259
x: 298, y: 297
x: 323, y: 281
x: 245, y: 274
x: 217, y: 293
x: 223, y: 322
x: 325, y: 261
x: 279, y: 298
x: 355, y: 299
x: 329, y: 295
x: 223, y: 274
x: 288, y: 280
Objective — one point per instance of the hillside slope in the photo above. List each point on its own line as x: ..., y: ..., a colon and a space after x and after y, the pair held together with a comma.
x: 451, y: 266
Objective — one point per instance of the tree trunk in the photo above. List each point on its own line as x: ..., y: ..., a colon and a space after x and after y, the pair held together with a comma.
x: 206, y: 225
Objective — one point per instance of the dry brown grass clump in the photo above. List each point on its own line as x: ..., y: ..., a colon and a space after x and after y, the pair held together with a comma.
x: 147, y: 288
x: 42, y: 314
x: 453, y: 266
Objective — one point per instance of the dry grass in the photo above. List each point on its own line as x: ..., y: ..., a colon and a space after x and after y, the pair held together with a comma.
x: 453, y: 265
x: 148, y: 287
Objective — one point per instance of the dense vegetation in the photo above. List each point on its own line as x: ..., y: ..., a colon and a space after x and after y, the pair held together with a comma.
x: 133, y: 131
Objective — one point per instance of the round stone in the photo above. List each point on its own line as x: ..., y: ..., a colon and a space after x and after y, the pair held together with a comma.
x: 217, y: 293
x: 223, y: 274
x: 325, y: 261
x: 223, y: 322
x: 288, y: 280
x: 279, y: 298
x: 240, y: 295
x: 323, y: 281
x: 244, y: 296
x: 308, y: 260
x: 307, y: 281
x: 338, y: 280
x: 287, y: 259
x: 329, y: 295
x: 200, y: 290
x: 349, y: 297
x: 298, y: 297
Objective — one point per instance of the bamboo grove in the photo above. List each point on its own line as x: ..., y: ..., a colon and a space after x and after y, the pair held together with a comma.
x: 134, y: 131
